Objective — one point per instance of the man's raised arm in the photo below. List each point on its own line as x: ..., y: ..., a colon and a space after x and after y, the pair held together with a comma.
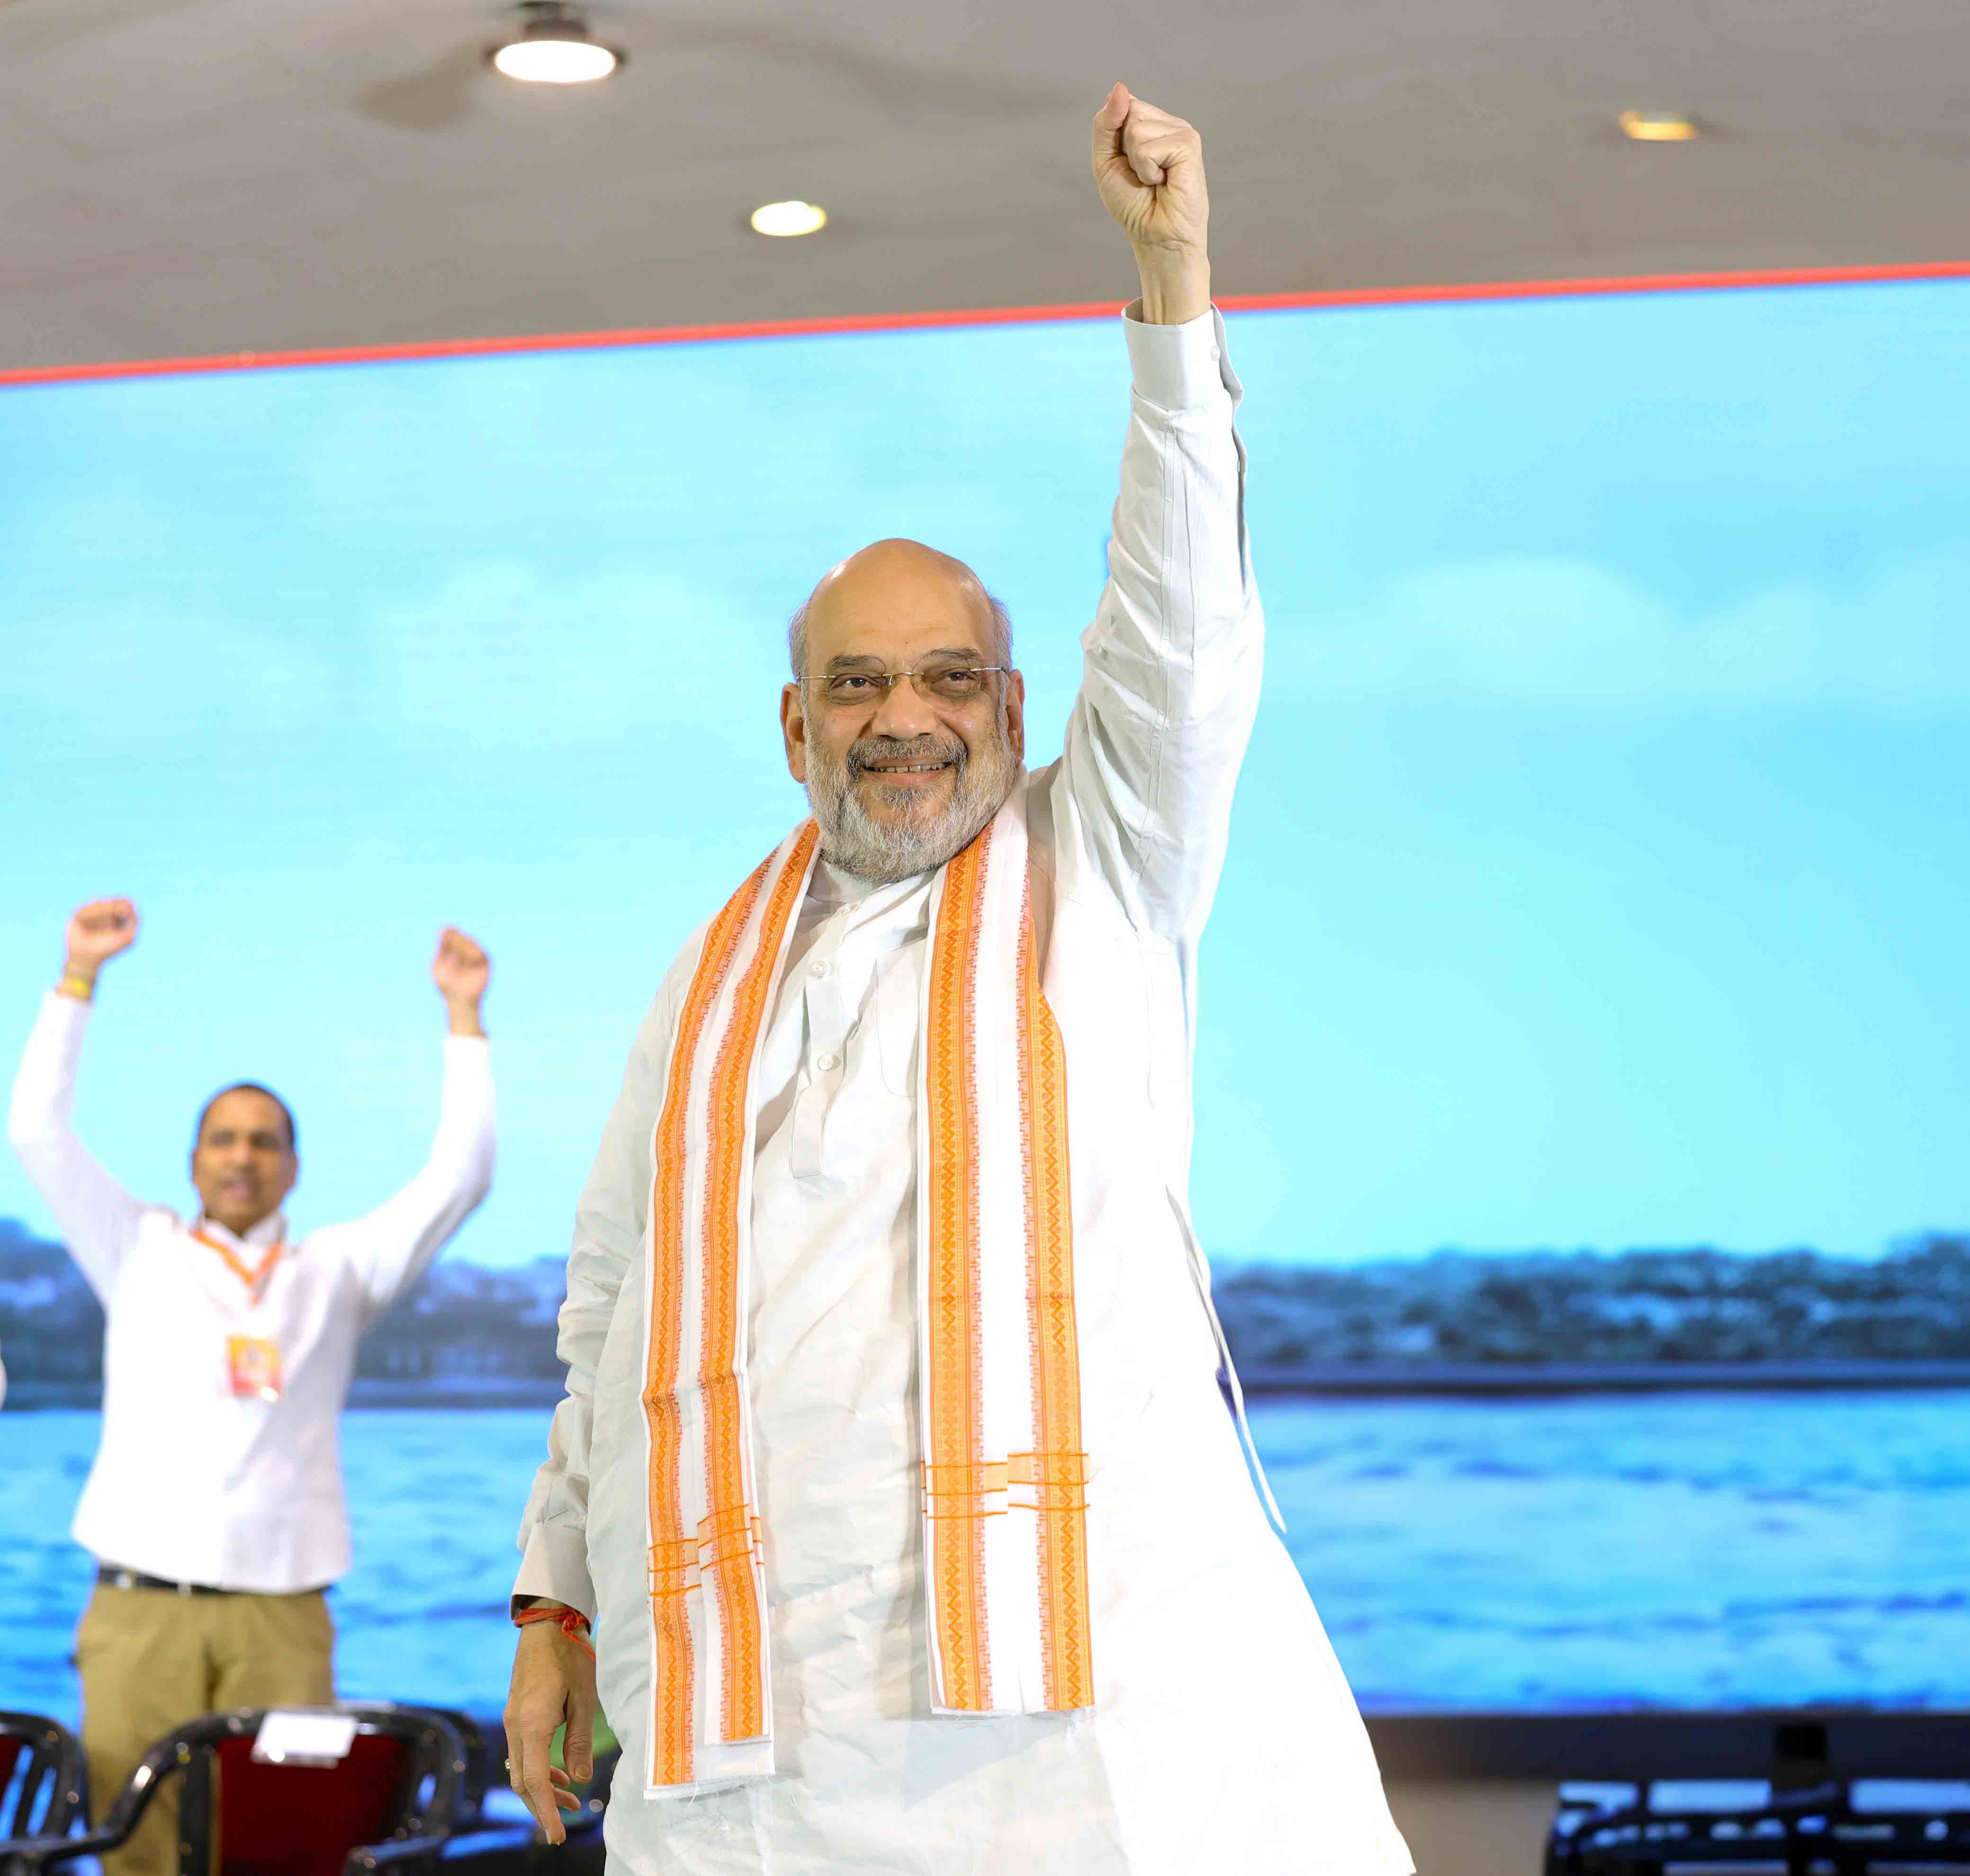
x: 97, y: 1217
x: 390, y: 1248
x: 1173, y: 658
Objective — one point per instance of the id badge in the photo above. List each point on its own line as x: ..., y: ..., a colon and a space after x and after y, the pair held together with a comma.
x: 253, y: 1367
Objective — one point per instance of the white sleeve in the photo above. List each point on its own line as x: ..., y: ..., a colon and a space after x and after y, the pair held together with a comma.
x: 1173, y: 659
x: 609, y: 1222
x: 392, y: 1246
x: 98, y: 1219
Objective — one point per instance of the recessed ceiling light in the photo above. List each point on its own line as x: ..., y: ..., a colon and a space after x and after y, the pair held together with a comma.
x: 553, y: 47
x: 788, y: 218
x: 1656, y: 126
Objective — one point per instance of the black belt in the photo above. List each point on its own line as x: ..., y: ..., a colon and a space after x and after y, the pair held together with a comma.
x: 119, y: 1579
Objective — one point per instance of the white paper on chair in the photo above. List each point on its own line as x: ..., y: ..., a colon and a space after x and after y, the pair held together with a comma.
x: 304, y: 1738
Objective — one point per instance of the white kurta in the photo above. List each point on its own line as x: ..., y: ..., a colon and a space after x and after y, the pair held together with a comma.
x: 1224, y: 1737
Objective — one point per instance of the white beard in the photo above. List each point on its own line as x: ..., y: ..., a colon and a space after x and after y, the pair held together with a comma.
x: 883, y: 851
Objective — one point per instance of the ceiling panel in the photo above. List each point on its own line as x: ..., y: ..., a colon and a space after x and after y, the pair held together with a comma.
x: 181, y: 177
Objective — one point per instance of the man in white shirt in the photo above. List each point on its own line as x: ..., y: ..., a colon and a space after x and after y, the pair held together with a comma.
x: 893, y: 1471
x: 214, y: 1507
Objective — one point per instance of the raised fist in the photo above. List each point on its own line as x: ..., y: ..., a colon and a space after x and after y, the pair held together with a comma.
x: 1149, y: 167
x: 460, y: 968
x: 97, y: 932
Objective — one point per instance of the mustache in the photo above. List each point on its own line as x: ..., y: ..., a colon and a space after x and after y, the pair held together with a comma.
x: 871, y: 749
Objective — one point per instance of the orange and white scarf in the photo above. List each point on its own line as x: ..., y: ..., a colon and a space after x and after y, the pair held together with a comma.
x: 1004, y: 1474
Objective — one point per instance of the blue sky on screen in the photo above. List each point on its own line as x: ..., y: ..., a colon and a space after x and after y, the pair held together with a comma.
x: 1599, y: 873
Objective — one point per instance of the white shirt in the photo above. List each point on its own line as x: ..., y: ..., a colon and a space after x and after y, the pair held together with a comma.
x: 193, y: 1482
x: 1224, y: 1738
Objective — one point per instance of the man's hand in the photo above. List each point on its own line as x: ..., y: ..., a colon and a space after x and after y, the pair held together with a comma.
x: 461, y: 970
x: 96, y: 933
x: 554, y: 1683
x: 1149, y: 167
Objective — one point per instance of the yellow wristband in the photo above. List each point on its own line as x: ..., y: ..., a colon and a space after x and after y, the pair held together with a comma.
x: 82, y: 988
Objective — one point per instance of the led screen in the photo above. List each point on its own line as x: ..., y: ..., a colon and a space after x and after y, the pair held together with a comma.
x: 1583, y: 1010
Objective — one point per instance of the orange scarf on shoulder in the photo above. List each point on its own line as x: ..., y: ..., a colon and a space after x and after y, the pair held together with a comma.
x: 1004, y: 1504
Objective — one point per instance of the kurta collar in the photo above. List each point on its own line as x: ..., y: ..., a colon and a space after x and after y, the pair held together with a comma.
x: 271, y: 1229
x: 866, y: 903
x: 831, y: 886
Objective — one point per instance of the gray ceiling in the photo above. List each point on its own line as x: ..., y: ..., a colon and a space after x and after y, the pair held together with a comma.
x: 195, y: 176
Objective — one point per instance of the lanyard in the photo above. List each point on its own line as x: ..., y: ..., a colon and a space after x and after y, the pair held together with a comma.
x: 253, y: 1279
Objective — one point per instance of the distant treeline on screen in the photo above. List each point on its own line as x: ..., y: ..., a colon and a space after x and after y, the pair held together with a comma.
x: 467, y: 1325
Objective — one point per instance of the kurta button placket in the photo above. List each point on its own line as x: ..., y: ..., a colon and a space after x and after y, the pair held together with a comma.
x: 826, y: 1023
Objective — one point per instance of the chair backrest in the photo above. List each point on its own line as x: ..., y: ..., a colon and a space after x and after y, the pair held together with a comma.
x: 302, y: 1820
x: 40, y: 1775
x: 242, y: 1817
x: 478, y: 1773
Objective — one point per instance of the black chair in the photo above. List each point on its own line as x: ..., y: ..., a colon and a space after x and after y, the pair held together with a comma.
x: 391, y: 1802
x: 42, y: 1786
x: 480, y: 1768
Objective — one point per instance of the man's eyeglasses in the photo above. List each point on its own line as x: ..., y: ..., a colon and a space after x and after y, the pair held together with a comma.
x: 937, y: 684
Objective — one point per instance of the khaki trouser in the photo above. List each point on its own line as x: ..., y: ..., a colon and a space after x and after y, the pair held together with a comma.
x: 151, y: 1660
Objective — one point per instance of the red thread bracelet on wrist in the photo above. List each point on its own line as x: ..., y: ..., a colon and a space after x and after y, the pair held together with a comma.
x: 571, y: 1622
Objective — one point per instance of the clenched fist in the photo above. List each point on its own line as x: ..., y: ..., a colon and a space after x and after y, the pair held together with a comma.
x: 97, y: 932
x: 1149, y: 168
x: 461, y: 970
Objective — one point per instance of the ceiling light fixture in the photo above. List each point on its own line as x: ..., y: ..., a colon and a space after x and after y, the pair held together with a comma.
x: 553, y: 47
x: 787, y: 218
x: 1656, y: 126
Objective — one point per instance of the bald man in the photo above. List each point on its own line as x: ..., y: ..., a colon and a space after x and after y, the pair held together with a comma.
x: 215, y: 1508
x: 893, y: 1472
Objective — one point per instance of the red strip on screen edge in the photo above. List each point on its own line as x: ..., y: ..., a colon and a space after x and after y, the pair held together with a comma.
x: 986, y: 316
